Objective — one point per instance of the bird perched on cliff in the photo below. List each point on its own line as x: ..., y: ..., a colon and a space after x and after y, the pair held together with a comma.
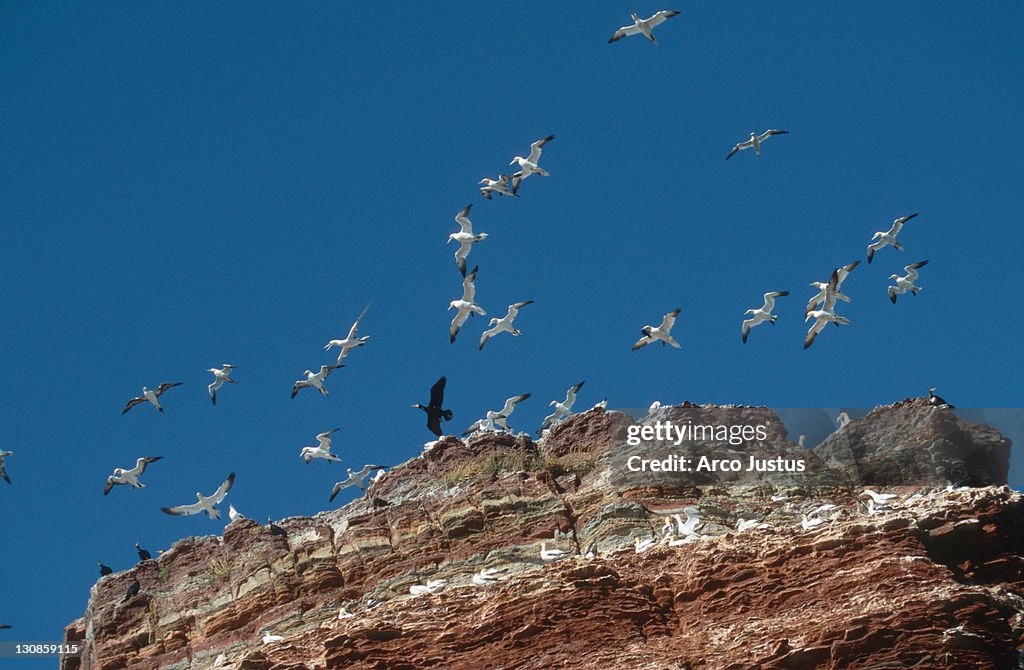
x: 3, y: 468
x: 933, y: 400
x: 878, y: 502
x: 220, y: 375
x: 530, y: 164
x: 690, y: 526
x: 105, y: 570
x: 755, y: 141
x: 270, y: 639
x: 888, y: 238
x: 315, y: 380
x: 465, y: 306
x: 488, y: 576
x: 828, y: 292
x: 143, y: 554
x: 433, y: 586
x: 643, y: 27
x: 465, y: 238
x: 130, y: 477
x: 759, y: 316
x: 275, y: 530
x: 842, y: 420
x: 133, y: 590
x: 354, y: 479
x: 234, y: 514
x: 504, y: 185
x: 504, y: 324
x: 153, y: 397
x: 433, y: 408
x: 551, y: 554
x: 352, y: 340
x: 321, y: 450
x: 206, y: 503
x: 662, y: 332
x: 640, y: 546
x: 562, y: 409
x: 906, y: 283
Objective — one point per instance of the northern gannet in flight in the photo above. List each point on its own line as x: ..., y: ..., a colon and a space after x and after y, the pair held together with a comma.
x: 465, y: 238
x: 822, y: 317
x: 434, y: 409
x: 759, y: 316
x: 497, y: 418
x: 501, y: 186
x: 315, y: 381
x: 755, y: 141
x: 905, y: 283
x: 352, y: 340
x: 662, y: 332
x: 206, y: 503
x: 3, y: 469
x: 888, y: 237
x: 354, y: 479
x: 643, y: 26
x: 151, y: 396
x: 933, y: 400
x: 466, y: 305
x: 220, y: 375
x: 826, y: 296
x: 530, y: 164
x: 562, y: 409
x: 143, y: 554
x: 504, y: 324
x: 130, y: 477
x: 551, y: 554
x: 321, y: 450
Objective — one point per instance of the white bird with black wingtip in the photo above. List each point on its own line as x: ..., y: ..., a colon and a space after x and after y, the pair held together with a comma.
x: 504, y: 324
x: 530, y: 164
x: 755, y: 142
x: 220, y: 375
x: 562, y: 409
x: 888, y: 238
x: 354, y: 479
x: 152, y: 396
x: 503, y: 185
x: 206, y: 504
x: 352, y: 340
x: 465, y: 306
x: 643, y: 26
x: 906, y: 283
x: 315, y: 381
x: 130, y: 477
x: 465, y: 237
x: 321, y: 450
x: 662, y: 333
x: 759, y: 316
x: 829, y: 294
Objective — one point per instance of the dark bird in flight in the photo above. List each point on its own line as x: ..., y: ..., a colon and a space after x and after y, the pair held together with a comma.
x: 434, y: 411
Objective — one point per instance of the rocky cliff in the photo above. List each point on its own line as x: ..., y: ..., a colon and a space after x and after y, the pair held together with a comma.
x: 818, y: 578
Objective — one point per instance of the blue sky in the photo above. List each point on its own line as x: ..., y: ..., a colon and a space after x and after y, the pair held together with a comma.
x: 190, y: 184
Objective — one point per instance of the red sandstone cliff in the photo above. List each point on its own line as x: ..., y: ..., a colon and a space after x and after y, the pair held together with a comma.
x: 937, y: 582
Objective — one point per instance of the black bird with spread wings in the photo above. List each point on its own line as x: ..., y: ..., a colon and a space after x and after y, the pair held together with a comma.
x: 434, y: 410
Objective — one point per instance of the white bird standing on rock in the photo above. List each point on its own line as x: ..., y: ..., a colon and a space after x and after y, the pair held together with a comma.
x: 661, y: 333
x: 530, y: 164
x: 640, y: 546
x: 755, y: 141
x: 465, y: 306
x: 321, y: 450
x: 888, y: 238
x: 504, y: 324
x: 234, y: 514
x: 270, y: 639
x: 433, y: 586
x: 906, y: 283
x: 130, y: 477
x: 315, y: 381
x: 643, y: 27
x: 551, y: 554
x: 220, y: 375
x: 489, y: 576
x: 759, y: 316
x: 465, y: 238
x: 352, y: 340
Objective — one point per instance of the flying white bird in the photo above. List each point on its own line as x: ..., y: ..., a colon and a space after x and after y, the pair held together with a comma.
x: 497, y: 418
x: 466, y: 305
x: 220, y: 375
x: 759, y: 316
x: 906, y: 283
x: 530, y: 164
x: 354, y: 479
x: 502, y: 186
x: 826, y: 315
x: 465, y: 238
x: 151, y: 396
x: 827, y: 295
x: 888, y: 238
x: 755, y: 141
x: 662, y: 332
x: 206, y: 503
x: 3, y: 469
x: 321, y: 450
x: 130, y: 477
x: 352, y: 340
x: 504, y: 324
x: 643, y: 26
x: 562, y: 409
x: 315, y: 381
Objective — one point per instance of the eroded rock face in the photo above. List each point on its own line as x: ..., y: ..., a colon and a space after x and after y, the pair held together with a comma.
x: 937, y: 581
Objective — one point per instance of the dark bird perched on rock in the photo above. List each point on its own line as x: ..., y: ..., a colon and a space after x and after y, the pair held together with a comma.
x: 937, y: 401
x: 143, y: 554
x: 434, y: 411
x: 133, y: 591
x: 275, y: 529
x: 105, y: 569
